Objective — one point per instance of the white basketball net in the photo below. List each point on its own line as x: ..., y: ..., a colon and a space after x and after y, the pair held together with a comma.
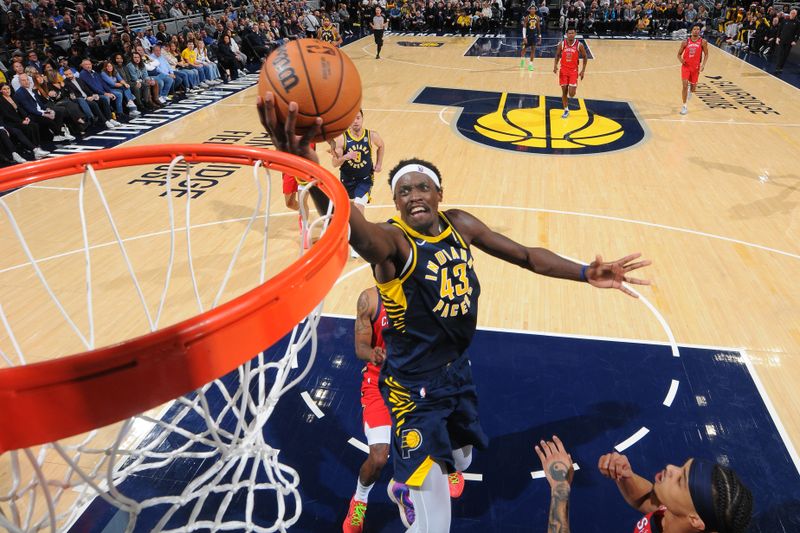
x: 244, y: 465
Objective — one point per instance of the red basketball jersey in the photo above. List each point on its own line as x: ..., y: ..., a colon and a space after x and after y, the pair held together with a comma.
x: 569, y: 55
x: 693, y: 53
x: 650, y: 523
x: 379, y: 322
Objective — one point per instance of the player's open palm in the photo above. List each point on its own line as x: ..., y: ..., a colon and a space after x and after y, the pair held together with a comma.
x: 615, y: 466
x: 556, y: 462
x: 614, y: 274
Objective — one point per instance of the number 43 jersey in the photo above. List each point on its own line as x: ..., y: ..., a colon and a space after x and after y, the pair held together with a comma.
x: 432, y: 304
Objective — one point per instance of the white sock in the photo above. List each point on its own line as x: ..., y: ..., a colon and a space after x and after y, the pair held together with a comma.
x: 688, y: 95
x: 362, y: 492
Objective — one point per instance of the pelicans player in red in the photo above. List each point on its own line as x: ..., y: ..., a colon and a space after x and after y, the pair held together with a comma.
x: 693, y: 55
x: 370, y: 347
x: 569, y: 51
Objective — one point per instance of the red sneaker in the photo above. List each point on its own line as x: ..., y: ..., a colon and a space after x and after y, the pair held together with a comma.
x: 354, y: 521
x: 456, y: 483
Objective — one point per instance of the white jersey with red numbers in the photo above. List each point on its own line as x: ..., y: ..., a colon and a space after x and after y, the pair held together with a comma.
x: 569, y: 55
x: 693, y: 53
x: 650, y: 523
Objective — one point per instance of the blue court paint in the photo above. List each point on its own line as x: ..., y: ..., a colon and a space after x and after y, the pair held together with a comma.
x: 594, y: 394
x: 512, y: 47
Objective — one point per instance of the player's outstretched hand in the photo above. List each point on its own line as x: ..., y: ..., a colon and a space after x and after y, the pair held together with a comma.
x: 378, y: 356
x: 283, y: 135
x: 615, y: 466
x: 556, y: 462
x: 612, y: 275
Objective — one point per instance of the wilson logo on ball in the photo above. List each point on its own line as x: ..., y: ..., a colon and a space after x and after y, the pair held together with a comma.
x: 283, y: 68
x: 320, y: 79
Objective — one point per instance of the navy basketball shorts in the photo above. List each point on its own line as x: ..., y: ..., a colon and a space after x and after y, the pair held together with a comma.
x: 358, y: 189
x: 431, y: 418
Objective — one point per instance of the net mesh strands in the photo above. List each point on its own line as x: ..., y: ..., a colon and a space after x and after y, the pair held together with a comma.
x: 216, y: 427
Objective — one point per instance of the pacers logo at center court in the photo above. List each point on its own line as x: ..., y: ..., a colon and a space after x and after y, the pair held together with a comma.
x: 533, y: 123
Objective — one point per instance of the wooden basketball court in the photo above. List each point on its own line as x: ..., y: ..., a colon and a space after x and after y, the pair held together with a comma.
x: 711, y: 198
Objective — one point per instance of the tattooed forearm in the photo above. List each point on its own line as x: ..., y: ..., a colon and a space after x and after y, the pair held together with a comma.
x: 559, y: 509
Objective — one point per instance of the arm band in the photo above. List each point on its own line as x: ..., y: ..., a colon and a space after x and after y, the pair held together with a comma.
x: 584, y: 268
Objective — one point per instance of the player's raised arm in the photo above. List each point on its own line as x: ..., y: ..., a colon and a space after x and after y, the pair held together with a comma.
x: 542, y: 261
x: 374, y: 242
x: 637, y: 491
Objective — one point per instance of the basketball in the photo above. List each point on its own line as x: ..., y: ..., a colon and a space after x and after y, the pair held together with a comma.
x: 320, y: 78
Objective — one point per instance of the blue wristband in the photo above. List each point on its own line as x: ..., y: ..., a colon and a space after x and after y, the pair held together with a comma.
x: 584, y: 268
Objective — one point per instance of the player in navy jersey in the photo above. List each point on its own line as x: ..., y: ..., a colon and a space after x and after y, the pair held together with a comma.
x: 531, y: 35
x: 423, y: 265
x: 359, y: 155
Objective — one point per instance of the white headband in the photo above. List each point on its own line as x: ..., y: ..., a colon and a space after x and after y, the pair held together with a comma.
x: 414, y: 167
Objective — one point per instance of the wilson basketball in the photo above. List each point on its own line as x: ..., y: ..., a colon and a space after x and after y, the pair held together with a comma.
x: 320, y: 78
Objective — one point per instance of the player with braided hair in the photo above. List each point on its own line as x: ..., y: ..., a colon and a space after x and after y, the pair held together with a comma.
x: 699, y: 496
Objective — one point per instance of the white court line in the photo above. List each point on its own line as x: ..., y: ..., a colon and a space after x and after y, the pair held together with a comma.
x: 633, y: 439
x: 771, y: 409
x: 311, y: 404
x: 539, y: 474
x: 725, y: 122
x: 471, y: 206
x: 358, y: 444
x: 578, y: 336
x: 52, y: 188
x: 469, y: 476
x: 673, y: 390
x: 628, y: 220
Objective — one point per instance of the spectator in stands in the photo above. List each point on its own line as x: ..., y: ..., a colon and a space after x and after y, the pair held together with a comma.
x: 55, y: 99
x: 91, y: 80
x: 161, y: 36
x: 227, y: 58
x: 189, y: 77
x: 140, y: 90
x: 213, y: 74
x: 124, y: 99
x: 18, y: 123
x: 36, y: 109
x: 160, y: 70
x: 8, y: 152
x: 140, y: 80
x: 18, y: 68
x: 189, y: 56
x: 95, y: 107
x: 33, y: 61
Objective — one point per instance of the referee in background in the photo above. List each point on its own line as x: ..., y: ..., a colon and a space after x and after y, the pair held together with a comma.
x: 788, y: 33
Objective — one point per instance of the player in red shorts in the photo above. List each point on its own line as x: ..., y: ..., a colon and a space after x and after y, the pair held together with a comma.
x: 693, y: 55
x: 568, y: 52
x: 370, y: 323
x: 291, y: 187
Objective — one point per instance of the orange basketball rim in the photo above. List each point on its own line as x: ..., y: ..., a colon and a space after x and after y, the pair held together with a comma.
x: 47, y: 401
